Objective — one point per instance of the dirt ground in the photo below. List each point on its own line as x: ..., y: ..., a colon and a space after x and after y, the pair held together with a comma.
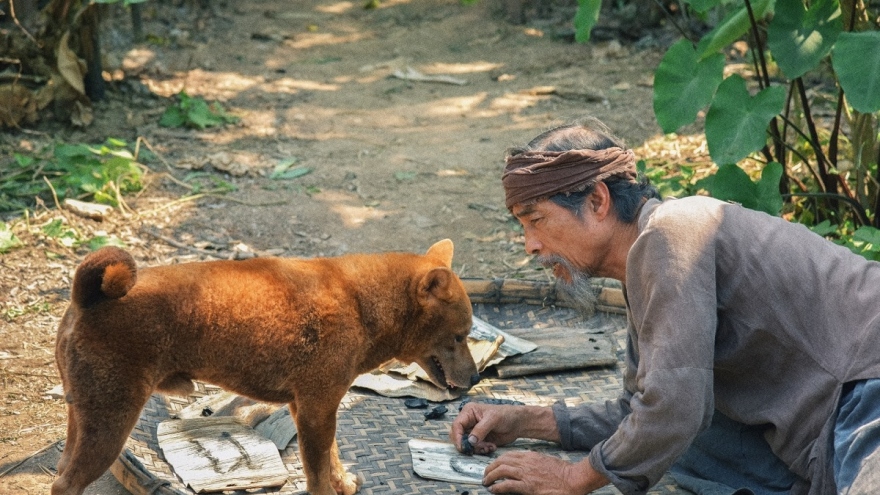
x: 396, y: 164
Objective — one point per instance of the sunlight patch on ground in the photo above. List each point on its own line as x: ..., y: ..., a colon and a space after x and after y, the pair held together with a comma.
x: 446, y: 68
x: 385, y: 4
x: 676, y: 148
x: 292, y: 85
x: 311, y: 40
x: 210, y: 85
x: 335, y: 8
x: 511, y: 102
x: 345, y: 205
x: 457, y: 105
x: 138, y: 59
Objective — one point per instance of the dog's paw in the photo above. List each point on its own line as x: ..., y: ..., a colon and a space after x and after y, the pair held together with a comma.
x: 348, y: 484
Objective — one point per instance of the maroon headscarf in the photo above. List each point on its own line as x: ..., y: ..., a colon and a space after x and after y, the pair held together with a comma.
x: 534, y: 175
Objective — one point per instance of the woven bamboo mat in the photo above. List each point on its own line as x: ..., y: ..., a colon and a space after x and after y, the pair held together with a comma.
x: 373, y: 431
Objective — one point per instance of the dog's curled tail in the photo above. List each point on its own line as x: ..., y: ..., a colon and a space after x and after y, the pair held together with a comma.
x: 108, y: 273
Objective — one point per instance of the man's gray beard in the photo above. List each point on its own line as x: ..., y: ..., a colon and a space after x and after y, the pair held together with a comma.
x: 579, y: 291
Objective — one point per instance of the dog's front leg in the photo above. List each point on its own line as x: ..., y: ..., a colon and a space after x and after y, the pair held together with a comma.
x: 316, y: 435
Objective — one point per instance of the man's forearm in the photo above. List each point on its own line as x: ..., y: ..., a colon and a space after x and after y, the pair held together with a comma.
x: 539, y: 423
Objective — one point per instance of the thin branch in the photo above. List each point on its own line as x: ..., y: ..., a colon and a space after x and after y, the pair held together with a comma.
x: 856, y: 207
x: 764, y: 73
x: 671, y: 19
x: 23, y: 30
x: 821, y: 161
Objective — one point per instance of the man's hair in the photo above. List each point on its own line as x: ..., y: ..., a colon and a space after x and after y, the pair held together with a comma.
x: 592, y: 134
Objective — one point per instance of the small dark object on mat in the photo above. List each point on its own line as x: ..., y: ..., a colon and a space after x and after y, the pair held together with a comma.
x: 507, y: 402
x: 466, y: 447
x: 415, y: 403
x: 435, y: 413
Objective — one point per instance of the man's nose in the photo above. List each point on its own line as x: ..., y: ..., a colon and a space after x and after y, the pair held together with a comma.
x: 532, y: 245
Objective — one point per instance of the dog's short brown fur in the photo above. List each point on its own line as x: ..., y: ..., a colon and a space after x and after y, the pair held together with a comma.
x: 293, y: 331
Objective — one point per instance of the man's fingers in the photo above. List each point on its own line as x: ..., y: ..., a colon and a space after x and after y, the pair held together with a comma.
x: 466, y: 420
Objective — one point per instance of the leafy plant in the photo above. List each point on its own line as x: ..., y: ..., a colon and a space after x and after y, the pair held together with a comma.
x: 102, y: 173
x: 8, y: 239
x: 195, y: 113
x: 772, y: 120
x: 807, y: 117
x: 283, y: 170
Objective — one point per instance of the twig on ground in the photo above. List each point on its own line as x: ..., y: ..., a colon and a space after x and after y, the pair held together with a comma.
x: 19, y: 463
x: 181, y: 245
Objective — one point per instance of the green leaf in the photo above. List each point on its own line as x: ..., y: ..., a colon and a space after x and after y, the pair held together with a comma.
x: 824, y: 228
x: 100, y: 241
x: 405, y: 176
x: 283, y: 171
x: 736, y: 124
x: 683, y: 85
x: 173, y: 117
x: 54, y: 229
x: 731, y: 28
x: 731, y: 183
x: 800, y: 38
x: 703, y: 6
x: 585, y: 18
x: 769, y: 199
x: 8, y: 240
x: 869, y: 235
x: 856, y: 60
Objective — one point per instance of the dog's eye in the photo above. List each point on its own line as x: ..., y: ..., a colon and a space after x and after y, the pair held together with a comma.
x: 459, y: 338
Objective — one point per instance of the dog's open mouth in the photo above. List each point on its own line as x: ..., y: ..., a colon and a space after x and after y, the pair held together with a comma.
x: 438, y: 373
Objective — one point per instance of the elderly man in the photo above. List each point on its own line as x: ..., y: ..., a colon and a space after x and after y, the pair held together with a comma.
x: 753, y: 345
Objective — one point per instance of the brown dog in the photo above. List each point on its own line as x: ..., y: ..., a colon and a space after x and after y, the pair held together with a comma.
x: 295, y: 331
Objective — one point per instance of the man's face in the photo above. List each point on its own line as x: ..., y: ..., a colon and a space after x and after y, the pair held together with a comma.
x: 563, y: 242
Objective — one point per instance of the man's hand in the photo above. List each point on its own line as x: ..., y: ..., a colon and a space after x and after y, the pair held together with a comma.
x: 490, y: 426
x: 530, y: 473
x: 487, y: 426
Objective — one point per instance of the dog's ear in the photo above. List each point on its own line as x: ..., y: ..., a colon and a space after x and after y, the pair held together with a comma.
x: 435, y: 284
x: 443, y: 251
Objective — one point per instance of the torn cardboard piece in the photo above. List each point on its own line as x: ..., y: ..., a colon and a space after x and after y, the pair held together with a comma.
x: 273, y: 421
x: 220, y: 453
x: 488, y: 345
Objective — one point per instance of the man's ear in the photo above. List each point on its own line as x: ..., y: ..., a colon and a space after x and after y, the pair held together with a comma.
x: 435, y: 285
x: 442, y: 250
x: 599, y: 201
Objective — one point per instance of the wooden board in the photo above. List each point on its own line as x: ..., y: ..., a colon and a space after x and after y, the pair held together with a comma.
x: 559, y: 349
x: 220, y: 453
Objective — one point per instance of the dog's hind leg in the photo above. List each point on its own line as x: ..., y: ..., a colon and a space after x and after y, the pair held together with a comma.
x: 69, y: 442
x: 100, y: 429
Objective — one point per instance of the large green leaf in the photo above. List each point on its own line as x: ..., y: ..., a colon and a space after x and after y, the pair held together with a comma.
x: 703, y: 6
x: 856, y: 60
x: 768, y: 196
x: 585, y: 18
x: 731, y: 28
x: 736, y: 124
x: 683, y: 85
x: 731, y: 183
x: 799, y: 38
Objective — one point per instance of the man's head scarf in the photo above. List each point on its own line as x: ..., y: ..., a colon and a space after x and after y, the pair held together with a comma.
x: 535, y: 175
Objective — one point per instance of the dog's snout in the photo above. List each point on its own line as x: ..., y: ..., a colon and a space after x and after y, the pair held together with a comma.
x: 475, y: 379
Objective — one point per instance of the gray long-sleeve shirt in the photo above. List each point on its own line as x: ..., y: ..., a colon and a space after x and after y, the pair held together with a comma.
x: 732, y: 309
